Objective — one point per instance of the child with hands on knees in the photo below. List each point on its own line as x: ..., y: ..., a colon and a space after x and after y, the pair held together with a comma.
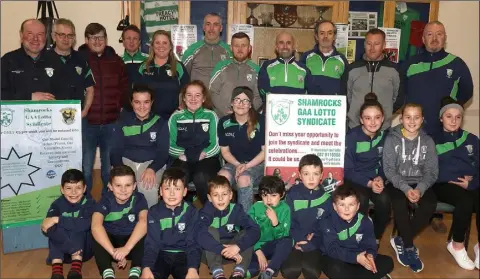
x: 119, y: 225
x: 224, y: 230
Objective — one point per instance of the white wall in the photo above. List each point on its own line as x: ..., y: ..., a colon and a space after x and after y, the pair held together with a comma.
x: 81, y: 13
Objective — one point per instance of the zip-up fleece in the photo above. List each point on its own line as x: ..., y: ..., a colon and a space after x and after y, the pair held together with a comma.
x: 430, y: 77
x: 121, y: 219
x: 229, y: 74
x: 72, y: 233
x: 326, y: 71
x: 132, y: 63
x: 200, y: 59
x: 166, y: 86
x: 307, y: 206
x: 280, y: 76
x: 380, y: 77
x: 458, y: 156
x: 192, y: 133
x: 228, y: 222
x: 344, y: 240
x: 363, y: 156
x: 267, y: 231
x: 140, y: 141
x: 407, y: 162
x: 173, y: 231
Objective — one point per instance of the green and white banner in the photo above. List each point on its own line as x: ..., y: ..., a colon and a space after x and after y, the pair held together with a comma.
x: 39, y: 141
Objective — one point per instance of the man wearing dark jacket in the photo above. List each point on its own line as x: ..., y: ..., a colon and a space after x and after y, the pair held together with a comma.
x: 435, y: 74
x: 110, y: 88
x: 373, y: 73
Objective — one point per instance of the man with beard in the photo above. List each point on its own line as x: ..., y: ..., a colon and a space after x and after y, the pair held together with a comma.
x: 201, y: 57
x: 324, y: 61
x: 232, y: 73
x: 435, y: 74
x: 373, y: 73
x: 284, y: 75
x: 31, y: 72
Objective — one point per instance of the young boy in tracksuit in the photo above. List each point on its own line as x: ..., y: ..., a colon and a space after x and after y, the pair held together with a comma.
x: 119, y: 225
x: 67, y: 226
x: 273, y: 216
x: 308, y: 203
x: 224, y: 230
x: 170, y: 247
x: 348, y: 241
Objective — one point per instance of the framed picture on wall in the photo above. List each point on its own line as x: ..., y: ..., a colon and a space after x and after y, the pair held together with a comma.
x: 261, y: 60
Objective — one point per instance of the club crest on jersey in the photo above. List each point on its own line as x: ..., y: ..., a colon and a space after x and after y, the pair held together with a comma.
x: 300, y: 78
x: 153, y: 136
x: 249, y: 77
x: 131, y: 218
x: 336, y: 68
x: 205, y: 127
x: 181, y: 227
x: 358, y: 237
x: 320, y: 212
x: 230, y: 227
x: 223, y: 57
x: 252, y: 134
x: 449, y: 73
x: 49, y: 71
x: 380, y: 149
x: 78, y: 69
x: 169, y: 72
x: 469, y: 149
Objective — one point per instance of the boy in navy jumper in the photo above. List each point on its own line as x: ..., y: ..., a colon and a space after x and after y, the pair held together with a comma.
x: 170, y: 247
x: 119, y: 224
x: 273, y: 216
x: 308, y: 203
x: 225, y: 230
x: 349, y: 241
x: 67, y: 226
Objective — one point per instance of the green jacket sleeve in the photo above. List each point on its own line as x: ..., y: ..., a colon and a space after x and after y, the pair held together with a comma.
x: 213, y: 148
x: 174, y: 150
x: 284, y: 220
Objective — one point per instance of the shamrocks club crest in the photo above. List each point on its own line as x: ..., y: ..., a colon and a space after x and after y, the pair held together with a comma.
x: 280, y: 111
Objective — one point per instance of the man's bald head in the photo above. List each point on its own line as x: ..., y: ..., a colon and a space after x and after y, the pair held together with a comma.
x: 33, y: 36
x: 284, y: 45
x: 434, y: 36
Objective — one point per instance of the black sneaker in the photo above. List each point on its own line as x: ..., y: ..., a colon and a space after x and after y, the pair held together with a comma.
x: 74, y: 275
x: 237, y: 275
x: 265, y: 275
x: 57, y: 276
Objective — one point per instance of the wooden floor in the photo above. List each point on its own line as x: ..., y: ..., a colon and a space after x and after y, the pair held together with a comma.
x: 438, y: 262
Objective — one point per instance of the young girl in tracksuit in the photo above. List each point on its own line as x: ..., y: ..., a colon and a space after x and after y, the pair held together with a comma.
x: 141, y: 142
x: 458, y: 181
x: 363, y: 163
x: 410, y: 163
x: 193, y: 137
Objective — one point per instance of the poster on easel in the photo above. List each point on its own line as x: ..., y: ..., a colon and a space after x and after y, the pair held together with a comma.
x: 297, y: 125
x: 392, y: 43
x: 183, y: 35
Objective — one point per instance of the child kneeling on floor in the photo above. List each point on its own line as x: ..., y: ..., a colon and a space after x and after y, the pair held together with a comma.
x: 349, y: 242
x: 119, y: 225
x: 67, y: 226
x: 225, y: 231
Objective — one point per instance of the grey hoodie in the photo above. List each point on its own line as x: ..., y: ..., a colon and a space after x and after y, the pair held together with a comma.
x: 410, y: 161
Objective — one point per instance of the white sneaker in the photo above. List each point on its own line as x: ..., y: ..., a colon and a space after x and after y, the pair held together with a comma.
x: 461, y: 257
x: 477, y: 255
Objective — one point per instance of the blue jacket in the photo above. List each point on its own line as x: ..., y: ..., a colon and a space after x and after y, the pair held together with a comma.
x: 307, y: 206
x: 171, y: 230
x: 121, y: 219
x: 326, y: 71
x: 458, y: 155
x: 228, y: 222
x: 72, y: 232
x: 363, y: 156
x: 431, y: 76
x: 278, y: 76
x: 344, y: 241
x: 140, y: 141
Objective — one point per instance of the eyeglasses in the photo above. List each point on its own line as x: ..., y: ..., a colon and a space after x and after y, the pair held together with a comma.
x: 238, y: 101
x: 63, y: 35
x: 97, y: 38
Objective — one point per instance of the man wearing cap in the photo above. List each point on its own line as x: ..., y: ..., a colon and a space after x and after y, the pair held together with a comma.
x: 232, y: 73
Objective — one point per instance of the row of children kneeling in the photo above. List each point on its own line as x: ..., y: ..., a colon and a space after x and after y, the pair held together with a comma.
x: 306, y: 232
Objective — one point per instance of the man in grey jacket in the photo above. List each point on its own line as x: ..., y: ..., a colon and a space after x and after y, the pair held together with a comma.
x: 373, y: 73
x: 231, y: 73
x: 201, y: 57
